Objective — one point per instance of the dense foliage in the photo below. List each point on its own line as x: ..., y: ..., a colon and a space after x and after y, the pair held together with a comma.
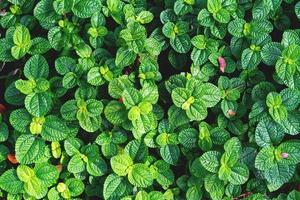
x: 150, y: 100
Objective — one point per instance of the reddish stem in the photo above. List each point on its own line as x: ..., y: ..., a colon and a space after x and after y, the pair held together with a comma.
x: 2, y: 108
x: 120, y: 100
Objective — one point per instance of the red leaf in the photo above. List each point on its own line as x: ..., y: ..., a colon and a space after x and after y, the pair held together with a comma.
x: 59, y: 167
x: 12, y: 158
x: 222, y: 64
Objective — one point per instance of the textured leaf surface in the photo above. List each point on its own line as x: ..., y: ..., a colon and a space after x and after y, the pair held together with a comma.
x: 29, y: 149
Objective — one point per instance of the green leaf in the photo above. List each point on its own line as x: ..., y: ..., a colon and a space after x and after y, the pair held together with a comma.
x: 25, y: 173
x: 170, y: 153
x: 268, y: 133
x: 239, y: 174
x: 199, y: 41
x: 218, y: 30
x: 265, y: 159
x: 121, y: 164
x: 290, y: 98
x: 94, y: 107
x: 181, y: 43
x: 224, y: 172
x: 115, y: 112
x: 38, y: 104
x: 45, y: 13
x: 20, y: 120
x: 289, y: 38
x: 116, y: 187
x: 211, y: 161
x: 180, y: 95
x: 277, y: 111
x: 86, y: 8
x: 188, y: 137
x: 214, y: 6
x: 233, y: 145
x: 209, y: 94
x: 75, y: 186
x: 236, y: 27
x: 194, y: 193
x: 39, y: 45
x: 118, y: 85
x: 250, y: 59
x: 168, y: 30
x: 292, y: 124
x: 54, y: 129
x: 13, y: 96
x: 69, y: 110
x: 72, y: 146
x: 287, y: 65
x: 153, y: 46
x: 279, y: 173
x: 25, y: 86
x: 10, y: 182
x: 142, y: 195
x: 3, y: 132
x: 286, y: 72
x: 131, y: 97
x: 292, y: 149
x: 64, y: 65
x: 145, y: 17
x: 271, y: 52
x: 297, y: 9
x: 139, y: 176
x: 214, y: 186
x: 177, y: 116
x: 56, y: 38
x: 272, y: 4
x: 69, y: 80
x: 36, y: 67
x: 294, y: 195
x: 35, y: 188
x: 150, y: 93
x: 261, y: 90
x: 197, y: 111
x: 3, y: 153
x: 125, y: 57
x: 232, y: 154
x: 29, y: 149
x: 22, y: 42
x: 165, y: 177
x: 115, y: 7
x: 219, y: 135
x: 47, y: 173
x: 76, y: 164
x: 222, y: 16
x: 96, y: 167
x: 90, y: 124
x: 5, y: 50
x: 94, y: 77
x: 137, y: 150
